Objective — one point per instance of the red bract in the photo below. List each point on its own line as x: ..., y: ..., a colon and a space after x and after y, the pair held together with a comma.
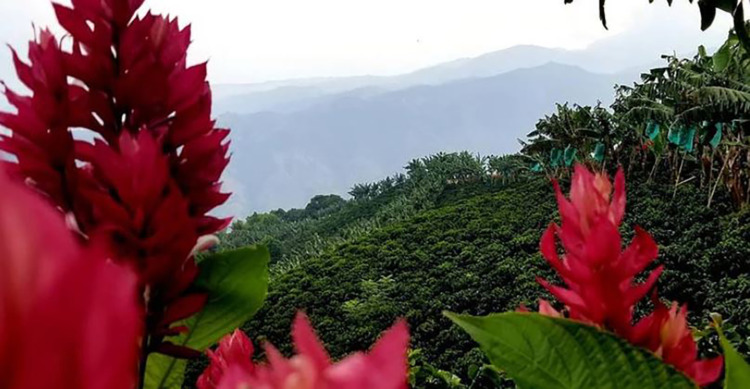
x: 666, y: 332
x: 384, y: 367
x: 600, y: 276
x: 234, y: 352
x: 58, y: 328
x: 147, y: 184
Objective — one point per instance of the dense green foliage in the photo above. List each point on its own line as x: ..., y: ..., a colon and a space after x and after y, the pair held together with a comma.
x: 460, y: 232
x: 476, y: 251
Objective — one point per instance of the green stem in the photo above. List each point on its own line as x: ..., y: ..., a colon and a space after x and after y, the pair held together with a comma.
x: 142, y: 363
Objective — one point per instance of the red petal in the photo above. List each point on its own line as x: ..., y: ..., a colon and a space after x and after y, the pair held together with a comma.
x: 641, y: 252
x: 24, y: 72
x: 566, y: 296
x: 636, y: 293
x: 183, y: 308
x: 707, y: 371
x: 545, y: 308
x: 307, y: 343
x: 74, y: 23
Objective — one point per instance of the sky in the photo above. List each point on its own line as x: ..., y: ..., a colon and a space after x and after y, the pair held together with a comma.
x: 249, y: 41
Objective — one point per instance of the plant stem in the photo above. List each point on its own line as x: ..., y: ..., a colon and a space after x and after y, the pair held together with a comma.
x: 677, y: 180
x: 718, y: 178
x: 142, y: 362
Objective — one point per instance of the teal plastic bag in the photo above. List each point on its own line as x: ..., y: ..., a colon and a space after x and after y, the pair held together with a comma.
x: 598, y: 154
x: 556, y: 158
x: 537, y: 167
x: 569, y: 156
x: 652, y: 130
x: 688, y: 139
x: 717, y: 136
x: 675, y: 135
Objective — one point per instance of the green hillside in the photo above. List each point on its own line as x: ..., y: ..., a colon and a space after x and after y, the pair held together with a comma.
x: 475, y: 250
x: 459, y: 232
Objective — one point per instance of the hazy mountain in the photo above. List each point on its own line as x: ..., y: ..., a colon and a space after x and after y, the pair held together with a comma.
x: 636, y: 48
x: 281, y: 159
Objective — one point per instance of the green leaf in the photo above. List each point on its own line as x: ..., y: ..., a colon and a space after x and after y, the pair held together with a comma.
x: 236, y: 282
x: 721, y: 58
x: 736, y: 369
x: 708, y: 14
x: 546, y: 353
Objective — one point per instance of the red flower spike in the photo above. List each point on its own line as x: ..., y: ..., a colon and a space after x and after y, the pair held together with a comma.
x: 56, y: 302
x: 666, y: 332
x: 234, y: 352
x: 599, y: 275
x: 384, y: 367
x: 149, y: 181
x: 40, y: 139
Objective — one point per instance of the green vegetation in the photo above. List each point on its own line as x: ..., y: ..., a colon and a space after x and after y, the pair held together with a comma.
x: 460, y: 232
x: 477, y: 252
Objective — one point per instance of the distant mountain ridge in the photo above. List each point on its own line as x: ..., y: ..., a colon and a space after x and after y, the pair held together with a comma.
x: 281, y: 159
x: 610, y: 56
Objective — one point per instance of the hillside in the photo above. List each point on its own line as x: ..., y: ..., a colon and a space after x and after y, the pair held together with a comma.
x: 475, y: 250
x: 286, y: 158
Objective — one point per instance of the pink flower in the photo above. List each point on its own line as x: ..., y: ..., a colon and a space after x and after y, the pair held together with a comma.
x: 234, y: 352
x: 599, y: 275
x: 665, y: 331
x: 384, y: 367
x: 68, y: 317
x: 146, y: 186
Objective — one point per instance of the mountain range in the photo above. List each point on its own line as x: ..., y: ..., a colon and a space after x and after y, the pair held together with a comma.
x: 293, y: 139
x: 294, y: 149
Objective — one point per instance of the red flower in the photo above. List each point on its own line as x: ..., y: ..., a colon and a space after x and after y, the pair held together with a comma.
x: 58, y: 328
x: 384, y: 367
x: 234, y: 351
x: 147, y: 184
x: 600, y: 276
x: 665, y: 331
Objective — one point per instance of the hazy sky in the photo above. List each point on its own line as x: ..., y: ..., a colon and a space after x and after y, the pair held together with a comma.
x: 259, y: 40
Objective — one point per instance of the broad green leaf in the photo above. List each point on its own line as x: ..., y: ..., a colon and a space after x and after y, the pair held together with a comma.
x: 721, y: 58
x: 736, y: 369
x: 237, y: 282
x: 541, y: 352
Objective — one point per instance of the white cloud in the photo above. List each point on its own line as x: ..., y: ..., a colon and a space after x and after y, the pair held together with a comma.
x: 258, y: 40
